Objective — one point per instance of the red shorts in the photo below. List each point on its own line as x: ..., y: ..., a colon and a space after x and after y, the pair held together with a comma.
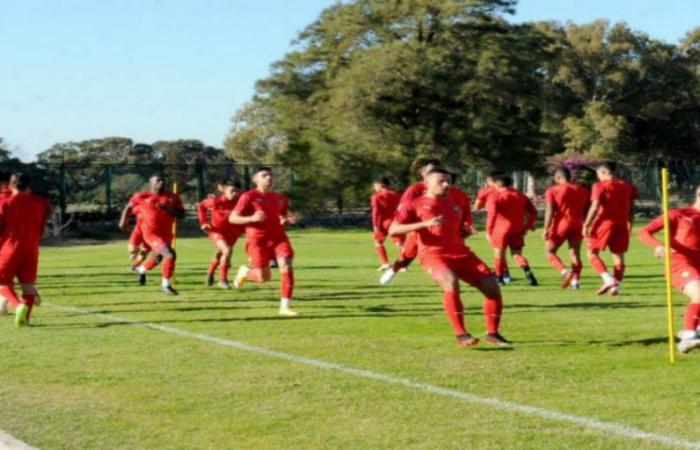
x: 136, y: 239
x: 507, y: 238
x: 21, y: 264
x: 229, y: 238
x: 157, y: 240
x: 684, y: 269
x: 468, y: 267
x: 410, y: 246
x: 565, y: 232
x: 382, y: 233
x: 261, y: 252
x: 614, y: 236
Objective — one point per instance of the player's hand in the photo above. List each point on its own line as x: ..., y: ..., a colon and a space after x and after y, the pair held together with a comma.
x: 545, y: 235
x: 123, y: 225
x: 488, y: 238
x: 659, y: 251
x: 259, y: 216
x: 206, y: 228
x: 587, y: 231
x: 437, y: 220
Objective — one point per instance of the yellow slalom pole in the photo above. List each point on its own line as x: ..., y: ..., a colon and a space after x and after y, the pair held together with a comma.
x: 667, y: 264
x: 174, y: 231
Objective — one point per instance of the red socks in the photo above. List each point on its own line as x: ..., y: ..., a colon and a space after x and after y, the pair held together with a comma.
x: 493, y: 307
x: 8, y: 293
x: 223, y: 273
x: 168, y: 268
x: 499, y: 265
x: 556, y: 262
x: 598, y: 264
x: 455, y: 311
x: 576, y: 269
x: 381, y: 251
x: 286, y: 283
x: 619, y: 273
x: 692, y: 316
x: 212, y: 266
x: 521, y: 261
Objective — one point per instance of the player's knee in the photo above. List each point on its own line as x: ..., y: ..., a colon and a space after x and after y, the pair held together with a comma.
x: 489, y: 287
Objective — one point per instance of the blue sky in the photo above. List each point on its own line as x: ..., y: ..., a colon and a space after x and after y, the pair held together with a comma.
x: 169, y: 69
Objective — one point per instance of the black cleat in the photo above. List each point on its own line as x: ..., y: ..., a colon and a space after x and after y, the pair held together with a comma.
x: 500, y: 281
x: 531, y: 277
x: 210, y: 279
x: 495, y: 338
x: 142, y: 279
x: 170, y: 290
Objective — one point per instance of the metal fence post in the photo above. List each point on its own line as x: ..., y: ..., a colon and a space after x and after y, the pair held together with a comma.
x: 200, y: 180
x: 246, y: 177
x: 108, y: 188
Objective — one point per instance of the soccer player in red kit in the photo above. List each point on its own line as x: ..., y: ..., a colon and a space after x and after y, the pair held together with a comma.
x: 264, y: 213
x: 158, y: 209
x: 5, y: 193
x: 410, y: 249
x: 510, y: 215
x: 384, y: 203
x: 685, y: 262
x: 566, y: 205
x: 221, y: 232
x: 438, y: 222
x: 485, y: 192
x: 609, y: 224
x: 138, y: 248
x: 23, y: 217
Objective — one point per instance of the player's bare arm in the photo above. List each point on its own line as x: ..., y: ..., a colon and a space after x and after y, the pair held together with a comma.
x: 123, y: 224
x: 592, y: 212
x: 403, y: 228
x: 549, y: 211
x: 237, y: 219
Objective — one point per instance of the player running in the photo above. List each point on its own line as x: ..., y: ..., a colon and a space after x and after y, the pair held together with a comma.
x: 138, y: 248
x: 221, y: 232
x: 423, y: 166
x: 685, y: 262
x: 437, y: 220
x: 158, y: 209
x: 482, y: 198
x: 384, y: 203
x: 566, y: 204
x: 23, y: 218
x: 510, y: 215
x: 264, y: 213
x: 5, y: 193
x: 609, y: 224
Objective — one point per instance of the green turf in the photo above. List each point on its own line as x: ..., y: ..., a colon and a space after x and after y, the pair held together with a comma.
x: 78, y: 381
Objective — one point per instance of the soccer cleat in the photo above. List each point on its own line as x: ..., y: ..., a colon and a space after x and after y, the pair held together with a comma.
x: 575, y: 284
x: 615, y: 290
x: 21, y: 316
x: 606, y: 287
x: 240, y: 279
x: 500, y: 281
x: 223, y: 284
x: 496, y: 338
x: 142, y: 279
x: 387, y: 276
x: 566, y: 280
x: 686, y: 345
x: 210, y: 279
x: 467, y: 340
x: 531, y: 278
x: 169, y: 290
x: 507, y: 279
x: 3, y: 307
x: 286, y: 311
x: 384, y: 267
x: 403, y: 269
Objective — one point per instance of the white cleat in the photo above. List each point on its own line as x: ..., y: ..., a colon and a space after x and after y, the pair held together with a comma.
x: 384, y: 267
x: 3, y: 307
x: 507, y: 279
x: 286, y: 311
x: 387, y: 276
x: 686, y: 345
x: 575, y: 284
x: 240, y: 277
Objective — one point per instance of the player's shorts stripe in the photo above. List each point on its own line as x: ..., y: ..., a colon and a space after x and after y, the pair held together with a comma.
x: 604, y: 427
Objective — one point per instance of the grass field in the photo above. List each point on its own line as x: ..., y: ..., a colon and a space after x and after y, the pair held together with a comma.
x: 76, y: 380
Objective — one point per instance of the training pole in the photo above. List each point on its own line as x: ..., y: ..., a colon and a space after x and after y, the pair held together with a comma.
x: 667, y: 265
x: 174, y: 231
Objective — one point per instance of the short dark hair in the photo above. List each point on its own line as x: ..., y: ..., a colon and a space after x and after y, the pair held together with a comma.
x: 226, y: 181
x: 493, y: 174
x: 22, y: 181
x: 5, y: 176
x: 384, y: 181
x: 262, y: 169
x: 505, y: 180
x: 564, y: 172
x: 421, y: 162
x: 608, y: 165
x: 160, y: 175
x: 440, y: 170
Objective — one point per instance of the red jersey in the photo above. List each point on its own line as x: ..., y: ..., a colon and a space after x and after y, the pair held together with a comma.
x: 438, y: 240
x: 482, y: 197
x: 151, y: 211
x: 506, y: 211
x: 616, y: 199
x: 23, y: 217
x: 273, y: 204
x: 220, y: 209
x: 418, y: 190
x: 570, y: 202
x: 5, y: 193
x: 685, y: 231
x: 384, y: 206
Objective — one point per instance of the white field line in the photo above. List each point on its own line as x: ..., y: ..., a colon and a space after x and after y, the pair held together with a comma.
x: 8, y: 442
x: 604, y: 427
